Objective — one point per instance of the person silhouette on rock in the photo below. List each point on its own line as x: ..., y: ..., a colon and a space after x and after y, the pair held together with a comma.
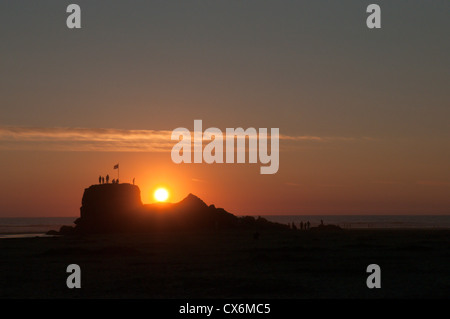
x: 107, y: 179
x: 99, y: 179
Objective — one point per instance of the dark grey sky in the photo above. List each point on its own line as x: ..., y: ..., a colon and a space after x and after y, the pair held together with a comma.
x: 308, y: 67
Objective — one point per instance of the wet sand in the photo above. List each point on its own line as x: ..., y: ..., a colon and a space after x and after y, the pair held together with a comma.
x: 230, y: 264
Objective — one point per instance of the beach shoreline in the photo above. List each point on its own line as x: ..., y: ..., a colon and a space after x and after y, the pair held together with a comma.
x: 230, y: 264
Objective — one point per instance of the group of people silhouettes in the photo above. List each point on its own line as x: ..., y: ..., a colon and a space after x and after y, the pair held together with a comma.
x: 302, y: 225
x: 101, y: 180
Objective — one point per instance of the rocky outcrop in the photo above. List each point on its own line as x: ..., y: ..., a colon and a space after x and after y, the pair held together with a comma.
x: 109, y: 208
x: 117, y: 208
x: 194, y: 213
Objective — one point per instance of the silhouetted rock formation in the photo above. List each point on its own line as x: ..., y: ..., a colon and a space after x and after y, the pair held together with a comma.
x: 108, y: 207
x: 115, y: 208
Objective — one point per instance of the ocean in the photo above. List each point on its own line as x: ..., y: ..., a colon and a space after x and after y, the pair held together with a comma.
x: 37, y: 227
x: 32, y: 227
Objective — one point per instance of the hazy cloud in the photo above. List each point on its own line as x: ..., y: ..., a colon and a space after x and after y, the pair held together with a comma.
x: 108, y: 140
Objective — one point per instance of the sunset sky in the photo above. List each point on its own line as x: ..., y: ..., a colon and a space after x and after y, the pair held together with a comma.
x: 363, y: 114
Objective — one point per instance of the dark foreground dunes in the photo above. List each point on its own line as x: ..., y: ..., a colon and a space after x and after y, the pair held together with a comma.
x: 230, y: 264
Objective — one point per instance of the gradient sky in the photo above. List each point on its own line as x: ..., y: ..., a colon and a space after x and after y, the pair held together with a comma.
x: 364, y: 113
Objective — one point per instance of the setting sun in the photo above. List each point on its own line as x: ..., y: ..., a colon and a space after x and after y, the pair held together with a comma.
x: 161, y: 194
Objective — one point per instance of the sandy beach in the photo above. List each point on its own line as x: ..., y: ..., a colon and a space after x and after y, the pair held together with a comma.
x: 230, y: 264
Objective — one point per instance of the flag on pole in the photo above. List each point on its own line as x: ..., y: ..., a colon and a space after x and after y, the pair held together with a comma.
x: 116, y: 166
